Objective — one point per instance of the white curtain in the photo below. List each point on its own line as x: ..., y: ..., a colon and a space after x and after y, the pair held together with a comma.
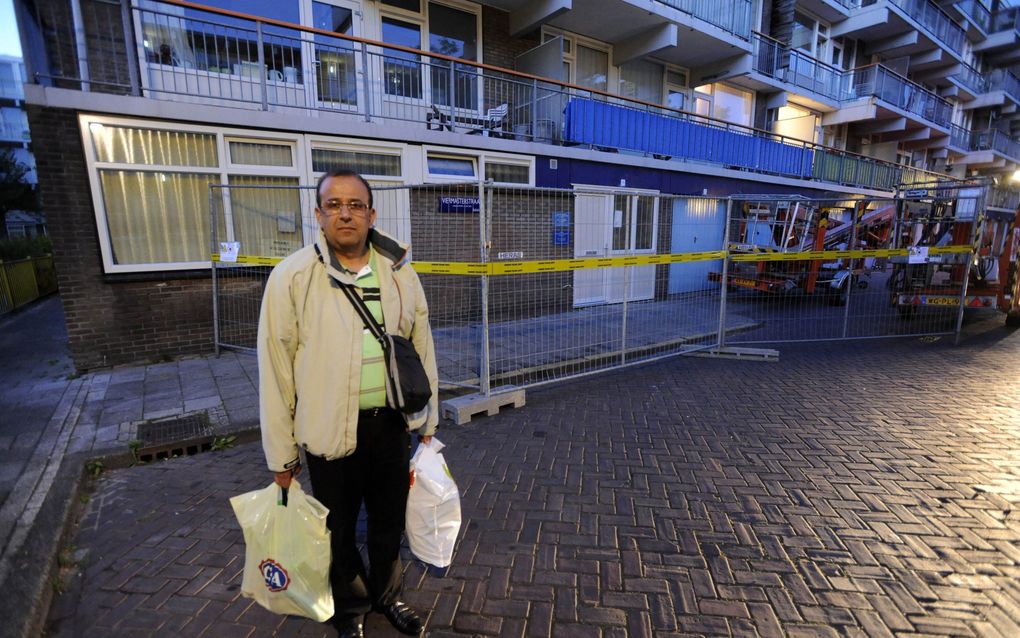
x: 641, y: 80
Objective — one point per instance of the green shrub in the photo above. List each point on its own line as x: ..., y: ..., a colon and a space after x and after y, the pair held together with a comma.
x: 14, y: 248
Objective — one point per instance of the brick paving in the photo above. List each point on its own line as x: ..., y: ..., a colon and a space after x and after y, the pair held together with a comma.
x: 858, y: 489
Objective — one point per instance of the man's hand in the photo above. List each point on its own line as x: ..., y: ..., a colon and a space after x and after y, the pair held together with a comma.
x: 283, y: 478
x: 425, y: 438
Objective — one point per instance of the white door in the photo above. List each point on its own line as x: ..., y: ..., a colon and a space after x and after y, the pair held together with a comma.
x: 634, y: 232
x: 591, y: 239
x: 332, y: 69
x: 613, y: 225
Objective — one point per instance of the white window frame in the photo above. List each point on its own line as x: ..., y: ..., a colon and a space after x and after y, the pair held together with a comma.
x: 479, y: 158
x: 223, y: 170
x: 570, y: 57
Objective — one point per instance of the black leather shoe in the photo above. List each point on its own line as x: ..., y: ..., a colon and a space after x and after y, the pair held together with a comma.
x: 349, y: 629
x: 403, y: 618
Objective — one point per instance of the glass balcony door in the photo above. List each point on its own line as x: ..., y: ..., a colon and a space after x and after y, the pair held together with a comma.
x: 335, y: 64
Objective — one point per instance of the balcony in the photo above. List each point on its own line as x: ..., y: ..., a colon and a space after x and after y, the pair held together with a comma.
x: 11, y: 90
x: 895, y: 105
x: 978, y: 19
x: 959, y: 138
x: 824, y: 84
x: 1002, y: 46
x: 915, y: 28
x: 218, y: 58
x: 14, y: 132
x: 732, y: 16
x: 988, y: 90
x: 1003, y: 198
x: 997, y: 142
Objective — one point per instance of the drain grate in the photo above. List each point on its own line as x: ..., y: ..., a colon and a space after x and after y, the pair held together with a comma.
x: 174, y: 431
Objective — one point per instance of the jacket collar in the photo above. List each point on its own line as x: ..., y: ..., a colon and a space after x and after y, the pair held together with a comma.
x: 394, y: 252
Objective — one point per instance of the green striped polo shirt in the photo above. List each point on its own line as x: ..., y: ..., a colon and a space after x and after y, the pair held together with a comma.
x: 373, y: 366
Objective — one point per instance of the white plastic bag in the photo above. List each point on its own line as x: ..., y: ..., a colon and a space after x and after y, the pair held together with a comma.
x: 433, y: 507
x: 287, y: 552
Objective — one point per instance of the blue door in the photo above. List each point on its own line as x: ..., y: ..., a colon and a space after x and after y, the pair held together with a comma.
x: 698, y: 226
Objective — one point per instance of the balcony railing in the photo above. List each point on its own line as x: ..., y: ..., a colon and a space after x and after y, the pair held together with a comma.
x: 13, y: 132
x: 221, y: 57
x: 1002, y: 80
x: 935, y: 21
x: 1002, y: 197
x: 995, y: 140
x: 776, y: 60
x: 977, y: 14
x: 959, y: 137
x: 897, y: 90
x: 1006, y: 20
x: 11, y: 90
x: 733, y: 16
x: 972, y: 79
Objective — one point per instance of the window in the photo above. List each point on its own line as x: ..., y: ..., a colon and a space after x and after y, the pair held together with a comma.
x: 724, y: 103
x: 809, y: 35
x: 797, y: 123
x: 451, y: 166
x: 151, y: 188
x: 508, y: 173
x: 592, y: 68
x: 336, y: 80
x: 363, y: 162
x: 453, y: 32
x: 641, y: 80
x: 402, y: 70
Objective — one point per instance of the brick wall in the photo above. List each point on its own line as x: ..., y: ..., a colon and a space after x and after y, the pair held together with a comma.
x: 111, y: 319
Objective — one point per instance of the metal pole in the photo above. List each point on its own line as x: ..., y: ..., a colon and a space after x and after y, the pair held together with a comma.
x: 80, y: 45
x: 626, y: 285
x: 858, y: 212
x: 262, y: 67
x: 483, y: 235
x: 724, y: 281
x: 130, y: 47
x: 213, y: 245
x: 975, y: 237
x: 366, y: 79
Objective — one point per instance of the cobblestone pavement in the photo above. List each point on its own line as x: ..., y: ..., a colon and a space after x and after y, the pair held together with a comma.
x: 858, y: 489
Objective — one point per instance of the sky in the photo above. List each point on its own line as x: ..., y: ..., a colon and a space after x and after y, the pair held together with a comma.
x: 10, y: 44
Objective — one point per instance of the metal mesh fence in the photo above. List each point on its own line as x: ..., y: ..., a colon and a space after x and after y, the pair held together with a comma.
x: 528, y: 285
x: 829, y: 269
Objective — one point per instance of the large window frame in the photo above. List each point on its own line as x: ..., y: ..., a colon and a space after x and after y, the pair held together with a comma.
x: 422, y: 20
x: 479, y: 161
x: 223, y: 170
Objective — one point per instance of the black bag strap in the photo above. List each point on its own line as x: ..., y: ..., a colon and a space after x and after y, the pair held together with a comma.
x: 366, y: 315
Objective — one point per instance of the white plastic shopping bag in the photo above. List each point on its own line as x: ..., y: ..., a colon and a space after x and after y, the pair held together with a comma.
x: 287, y: 552
x: 433, y: 507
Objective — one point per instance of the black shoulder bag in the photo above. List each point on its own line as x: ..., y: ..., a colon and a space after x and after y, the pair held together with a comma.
x: 408, y: 381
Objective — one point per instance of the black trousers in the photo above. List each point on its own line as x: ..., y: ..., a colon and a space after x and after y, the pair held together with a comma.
x: 375, y: 475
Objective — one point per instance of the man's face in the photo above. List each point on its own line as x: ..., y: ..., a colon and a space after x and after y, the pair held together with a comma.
x: 343, y: 213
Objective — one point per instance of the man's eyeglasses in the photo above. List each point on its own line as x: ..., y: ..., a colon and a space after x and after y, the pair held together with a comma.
x: 334, y: 206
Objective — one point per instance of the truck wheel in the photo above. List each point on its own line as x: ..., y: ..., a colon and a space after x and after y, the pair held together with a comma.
x: 906, y: 312
x: 1013, y: 320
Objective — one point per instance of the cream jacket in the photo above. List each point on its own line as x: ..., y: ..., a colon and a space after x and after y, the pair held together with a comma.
x: 309, y: 351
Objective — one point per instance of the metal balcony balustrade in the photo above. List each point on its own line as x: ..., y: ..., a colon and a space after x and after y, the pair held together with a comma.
x: 935, y: 21
x: 977, y: 14
x: 1003, y: 197
x: 995, y: 140
x: 959, y: 137
x: 1007, y: 82
x: 220, y: 57
x: 1006, y: 20
x: 973, y: 79
x: 11, y: 90
x: 902, y: 93
x: 13, y: 132
x: 733, y: 16
x: 776, y: 60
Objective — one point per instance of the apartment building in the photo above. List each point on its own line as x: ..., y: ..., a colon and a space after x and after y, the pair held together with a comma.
x: 138, y: 105
x: 15, y: 138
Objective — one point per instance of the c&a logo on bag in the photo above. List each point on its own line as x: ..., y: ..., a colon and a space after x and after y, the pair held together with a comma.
x: 274, y: 574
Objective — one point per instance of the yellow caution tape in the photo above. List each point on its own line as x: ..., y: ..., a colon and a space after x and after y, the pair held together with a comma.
x: 521, y: 267
x: 586, y: 263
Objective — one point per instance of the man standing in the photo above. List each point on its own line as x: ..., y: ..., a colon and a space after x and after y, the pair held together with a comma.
x: 323, y: 389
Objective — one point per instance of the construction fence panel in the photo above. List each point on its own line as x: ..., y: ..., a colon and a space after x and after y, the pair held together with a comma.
x: 585, y: 280
x: 812, y: 269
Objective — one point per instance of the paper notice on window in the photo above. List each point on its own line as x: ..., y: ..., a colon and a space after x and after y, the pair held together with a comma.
x: 617, y: 218
x: 918, y: 255
x: 228, y: 250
